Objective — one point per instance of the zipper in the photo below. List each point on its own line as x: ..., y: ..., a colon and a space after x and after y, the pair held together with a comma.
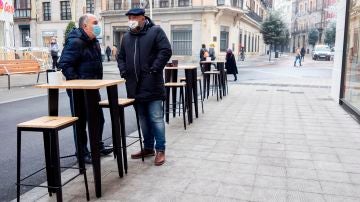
x: 137, y: 80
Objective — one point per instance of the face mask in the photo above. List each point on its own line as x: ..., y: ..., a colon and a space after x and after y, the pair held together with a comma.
x: 133, y: 24
x: 96, y: 30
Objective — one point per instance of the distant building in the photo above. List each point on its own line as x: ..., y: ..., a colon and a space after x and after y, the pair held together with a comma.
x: 284, y: 7
x: 190, y: 23
x: 6, y: 23
x: 309, y: 14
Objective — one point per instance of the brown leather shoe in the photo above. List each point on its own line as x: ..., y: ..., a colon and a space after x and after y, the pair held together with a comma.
x: 144, y: 153
x: 159, y: 158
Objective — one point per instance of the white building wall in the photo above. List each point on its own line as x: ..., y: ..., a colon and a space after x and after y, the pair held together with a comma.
x: 6, y: 18
x: 340, y: 30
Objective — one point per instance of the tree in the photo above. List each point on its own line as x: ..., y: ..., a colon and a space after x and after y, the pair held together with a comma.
x: 313, y: 36
x: 274, y: 31
x: 69, y: 28
x: 330, y: 35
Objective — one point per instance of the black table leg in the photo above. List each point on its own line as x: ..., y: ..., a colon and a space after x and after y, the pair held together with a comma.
x: 188, y: 92
x: 91, y: 99
x: 123, y: 137
x: 195, y: 91
x: 53, y: 109
x: 115, y: 122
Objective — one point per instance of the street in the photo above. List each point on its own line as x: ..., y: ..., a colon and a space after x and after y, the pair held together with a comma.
x: 253, y: 71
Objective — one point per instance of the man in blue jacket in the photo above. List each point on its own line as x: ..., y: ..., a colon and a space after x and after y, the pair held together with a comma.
x: 81, y: 59
x: 144, y: 52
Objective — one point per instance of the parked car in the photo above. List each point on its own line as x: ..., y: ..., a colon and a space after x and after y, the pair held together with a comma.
x: 321, y: 52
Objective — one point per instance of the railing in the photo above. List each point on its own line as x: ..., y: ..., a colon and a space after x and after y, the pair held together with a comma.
x: 22, y: 13
x: 254, y: 16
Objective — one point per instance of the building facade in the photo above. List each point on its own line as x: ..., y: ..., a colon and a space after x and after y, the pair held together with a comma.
x: 191, y: 23
x: 6, y: 23
x: 307, y: 15
x: 36, y: 21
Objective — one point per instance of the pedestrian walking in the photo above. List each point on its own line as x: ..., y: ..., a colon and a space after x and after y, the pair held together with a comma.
x: 81, y: 59
x: 302, y: 53
x: 144, y: 52
x: 54, y: 51
x: 297, y: 57
x: 114, y: 52
x: 108, y: 52
x: 212, y: 51
x: 230, y: 64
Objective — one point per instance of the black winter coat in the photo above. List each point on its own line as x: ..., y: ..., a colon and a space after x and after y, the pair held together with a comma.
x: 230, y: 64
x: 81, y: 57
x: 141, y: 61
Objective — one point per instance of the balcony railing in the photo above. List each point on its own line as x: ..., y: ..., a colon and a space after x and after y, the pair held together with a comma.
x: 232, y: 3
x: 254, y: 16
x: 22, y: 13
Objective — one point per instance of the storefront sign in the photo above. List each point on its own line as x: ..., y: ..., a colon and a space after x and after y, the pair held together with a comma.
x: 6, y: 7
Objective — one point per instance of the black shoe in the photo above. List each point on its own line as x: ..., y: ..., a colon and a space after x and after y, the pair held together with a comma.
x: 106, y: 151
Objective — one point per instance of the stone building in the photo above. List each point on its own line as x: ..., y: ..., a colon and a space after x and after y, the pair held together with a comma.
x: 191, y: 23
x: 309, y: 14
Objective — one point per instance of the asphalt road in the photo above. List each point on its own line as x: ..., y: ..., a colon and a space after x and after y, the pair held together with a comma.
x: 32, y: 149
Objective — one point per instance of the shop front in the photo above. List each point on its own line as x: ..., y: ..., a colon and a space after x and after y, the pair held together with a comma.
x: 350, y: 85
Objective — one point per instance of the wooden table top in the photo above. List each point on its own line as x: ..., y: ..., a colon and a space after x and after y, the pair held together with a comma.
x: 82, y: 84
x: 214, y: 61
x: 183, y: 67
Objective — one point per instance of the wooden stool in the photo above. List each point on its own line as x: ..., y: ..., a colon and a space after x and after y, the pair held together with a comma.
x: 201, y: 95
x: 124, y: 102
x: 49, y: 125
x: 181, y: 85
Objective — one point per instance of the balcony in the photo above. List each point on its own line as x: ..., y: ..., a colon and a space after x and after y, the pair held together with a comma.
x: 22, y: 13
x: 231, y: 3
x: 254, y: 16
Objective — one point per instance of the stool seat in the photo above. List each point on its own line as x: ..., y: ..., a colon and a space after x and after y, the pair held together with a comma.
x: 175, y: 84
x: 183, y: 78
x: 48, y: 122
x: 212, y: 72
x: 121, y: 102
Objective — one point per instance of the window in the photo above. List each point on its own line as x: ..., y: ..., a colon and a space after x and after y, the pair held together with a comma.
x: 117, y: 4
x: 22, y: 9
x: 65, y: 10
x: 350, y: 89
x: 46, y: 11
x: 245, y: 42
x: 181, y: 39
x: 25, y: 34
x: 135, y: 4
x: 90, y: 6
x: 220, y: 2
x: 164, y: 3
x: 249, y: 42
x: 224, y: 38
x: 183, y: 3
x: 252, y: 5
x: 252, y: 44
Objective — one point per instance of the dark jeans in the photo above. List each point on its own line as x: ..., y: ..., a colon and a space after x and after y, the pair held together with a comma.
x: 54, y: 61
x: 83, y: 122
x: 108, y: 56
x: 151, y: 115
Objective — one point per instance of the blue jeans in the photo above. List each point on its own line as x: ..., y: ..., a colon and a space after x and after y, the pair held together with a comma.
x: 151, y: 116
x: 297, y: 58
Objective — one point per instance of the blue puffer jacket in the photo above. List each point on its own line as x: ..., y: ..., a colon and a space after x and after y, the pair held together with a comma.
x: 141, y: 61
x: 81, y: 57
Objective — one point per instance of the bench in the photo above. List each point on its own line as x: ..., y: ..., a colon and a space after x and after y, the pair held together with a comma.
x: 12, y: 67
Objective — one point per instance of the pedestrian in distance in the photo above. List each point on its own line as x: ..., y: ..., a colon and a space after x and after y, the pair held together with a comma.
x: 144, y: 52
x: 114, y: 52
x: 297, y: 57
x: 54, y: 51
x: 204, y: 53
x: 212, y: 52
x: 81, y: 59
x: 230, y: 64
x: 108, y: 52
x: 302, y: 52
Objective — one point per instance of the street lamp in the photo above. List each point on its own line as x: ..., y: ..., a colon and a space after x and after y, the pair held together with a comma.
x: 319, y: 26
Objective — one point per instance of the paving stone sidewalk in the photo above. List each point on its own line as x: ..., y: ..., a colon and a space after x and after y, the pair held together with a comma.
x: 260, y: 143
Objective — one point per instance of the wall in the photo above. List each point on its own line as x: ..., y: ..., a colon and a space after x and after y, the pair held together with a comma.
x: 340, y: 26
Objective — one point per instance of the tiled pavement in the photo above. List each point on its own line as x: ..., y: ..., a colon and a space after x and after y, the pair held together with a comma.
x: 260, y: 143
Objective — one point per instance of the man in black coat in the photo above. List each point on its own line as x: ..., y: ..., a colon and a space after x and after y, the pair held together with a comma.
x: 144, y: 52
x: 81, y: 59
